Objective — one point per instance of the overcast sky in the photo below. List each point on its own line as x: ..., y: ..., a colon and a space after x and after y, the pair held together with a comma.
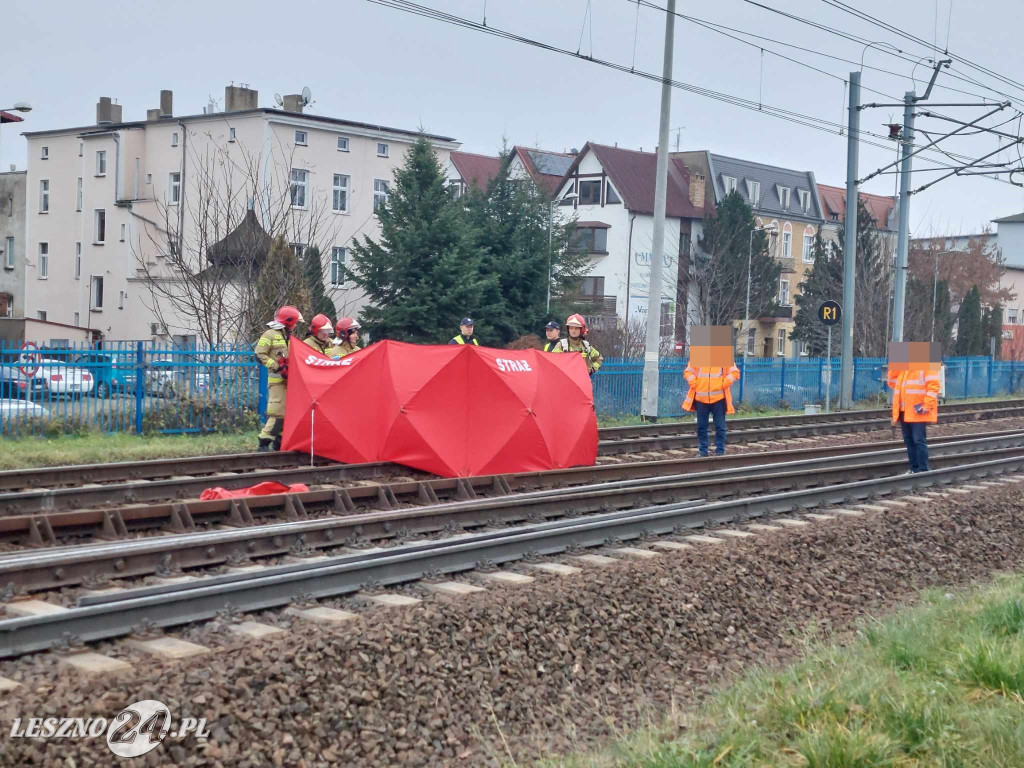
x: 370, y: 63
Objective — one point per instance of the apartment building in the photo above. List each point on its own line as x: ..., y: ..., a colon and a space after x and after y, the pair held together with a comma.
x: 883, y: 210
x: 108, y: 204
x: 12, y: 243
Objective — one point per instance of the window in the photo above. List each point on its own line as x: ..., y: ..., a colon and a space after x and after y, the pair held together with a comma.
x: 805, y: 199
x: 78, y: 261
x: 754, y: 192
x: 96, y: 293
x: 301, y: 138
x: 124, y: 228
x: 338, y: 256
x: 6, y: 305
x: 45, y: 154
x: 100, y: 229
x: 808, y: 252
x: 783, y: 193
x: 751, y: 338
x: 343, y: 143
x: 592, y: 287
x: 611, y: 197
x: 590, y: 240
x: 149, y: 178
x: 174, y: 139
x: 380, y: 193
x: 784, y: 292
x: 787, y: 245
x: 382, y: 149
x: 78, y: 319
x: 120, y: 300
x: 174, y: 188
x: 78, y: 194
x: 41, y: 315
x: 44, y: 195
x: 340, y: 200
x: 781, y: 350
x: 81, y: 148
x: 231, y: 134
x: 590, y: 193
x: 300, y: 179
x: 1011, y: 316
x: 44, y: 260
x: 835, y: 217
x: 101, y: 163
x: 730, y: 184
x: 9, y: 254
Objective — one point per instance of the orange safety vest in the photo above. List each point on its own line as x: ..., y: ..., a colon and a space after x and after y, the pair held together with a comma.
x: 910, y: 388
x: 709, y: 385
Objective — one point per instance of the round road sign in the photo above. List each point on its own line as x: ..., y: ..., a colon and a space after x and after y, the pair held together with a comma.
x: 830, y: 312
x: 29, y: 359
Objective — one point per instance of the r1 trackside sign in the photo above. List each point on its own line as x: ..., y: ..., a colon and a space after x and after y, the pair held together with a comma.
x: 134, y: 731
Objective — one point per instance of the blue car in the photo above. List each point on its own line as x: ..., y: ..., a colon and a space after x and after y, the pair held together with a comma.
x: 113, y: 372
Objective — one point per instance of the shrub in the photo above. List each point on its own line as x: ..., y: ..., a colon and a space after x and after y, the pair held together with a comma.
x: 198, y: 414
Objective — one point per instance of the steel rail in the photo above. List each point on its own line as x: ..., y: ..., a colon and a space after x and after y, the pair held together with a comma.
x: 110, y: 616
x: 69, y: 565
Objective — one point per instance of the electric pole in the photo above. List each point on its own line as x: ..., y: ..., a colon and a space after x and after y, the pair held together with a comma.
x: 850, y: 245
x: 903, y: 238
x: 649, y: 408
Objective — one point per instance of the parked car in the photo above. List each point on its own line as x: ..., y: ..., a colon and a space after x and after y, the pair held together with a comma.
x: 62, y: 379
x: 15, y: 384
x: 171, y: 377
x: 112, y: 372
x: 21, y: 409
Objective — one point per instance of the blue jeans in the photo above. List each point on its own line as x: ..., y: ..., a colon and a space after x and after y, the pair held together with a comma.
x: 717, y: 412
x: 916, y: 437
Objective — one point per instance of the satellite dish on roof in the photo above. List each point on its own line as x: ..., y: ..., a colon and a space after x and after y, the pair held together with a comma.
x: 278, y: 100
x: 307, y: 95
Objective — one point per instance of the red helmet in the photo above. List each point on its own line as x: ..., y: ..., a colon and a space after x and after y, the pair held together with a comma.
x: 345, y: 325
x: 318, y: 323
x: 288, y: 316
x: 577, y: 321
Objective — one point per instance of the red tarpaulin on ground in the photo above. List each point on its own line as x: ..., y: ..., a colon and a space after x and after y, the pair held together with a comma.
x: 453, y: 410
x: 268, y: 488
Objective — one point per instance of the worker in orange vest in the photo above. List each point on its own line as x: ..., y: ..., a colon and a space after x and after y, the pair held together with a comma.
x: 710, y: 395
x: 915, y: 404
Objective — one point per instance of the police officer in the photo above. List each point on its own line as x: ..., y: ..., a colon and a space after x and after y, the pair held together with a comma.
x: 348, y: 338
x: 576, y: 327
x: 319, y: 336
x: 272, y: 352
x: 465, y: 335
x: 552, y: 330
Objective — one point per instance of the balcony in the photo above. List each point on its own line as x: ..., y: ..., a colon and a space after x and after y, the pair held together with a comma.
x: 593, y: 305
x: 783, y: 312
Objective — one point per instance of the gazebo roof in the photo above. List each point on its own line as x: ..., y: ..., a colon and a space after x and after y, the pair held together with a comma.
x: 245, y: 247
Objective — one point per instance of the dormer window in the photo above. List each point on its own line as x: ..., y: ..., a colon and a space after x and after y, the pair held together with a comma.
x: 783, y: 193
x: 729, y: 182
x: 754, y: 192
x: 805, y: 199
x: 835, y: 217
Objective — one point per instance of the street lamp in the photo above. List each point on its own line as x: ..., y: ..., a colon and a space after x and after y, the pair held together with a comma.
x: 551, y: 216
x: 771, y: 230
x: 19, y: 106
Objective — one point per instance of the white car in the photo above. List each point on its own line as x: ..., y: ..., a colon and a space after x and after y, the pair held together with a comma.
x: 21, y: 409
x: 62, y: 379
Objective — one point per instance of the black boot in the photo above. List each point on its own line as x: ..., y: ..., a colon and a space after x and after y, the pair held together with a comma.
x: 265, y: 444
x: 277, y: 443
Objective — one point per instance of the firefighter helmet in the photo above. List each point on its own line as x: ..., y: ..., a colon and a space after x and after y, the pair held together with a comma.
x: 319, y: 323
x: 345, y: 325
x: 578, y: 322
x: 288, y: 316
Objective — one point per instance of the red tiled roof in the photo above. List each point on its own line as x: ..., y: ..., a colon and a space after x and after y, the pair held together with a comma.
x: 476, y: 170
x: 833, y: 199
x: 548, y: 182
x: 9, y: 117
x: 633, y: 175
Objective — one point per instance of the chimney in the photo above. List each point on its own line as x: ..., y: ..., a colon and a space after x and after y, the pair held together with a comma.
x: 574, y: 151
x: 292, y: 103
x: 239, y: 97
x: 104, y: 111
x: 115, y: 113
x: 697, y: 183
x: 152, y: 114
x: 166, y: 104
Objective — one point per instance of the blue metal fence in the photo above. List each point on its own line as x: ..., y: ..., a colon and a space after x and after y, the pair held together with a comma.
x: 145, y: 388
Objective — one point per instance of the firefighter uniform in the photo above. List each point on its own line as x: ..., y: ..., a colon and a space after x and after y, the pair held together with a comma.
x: 590, y: 354
x: 345, y: 348
x: 272, y: 352
x: 915, y: 404
x: 323, y: 347
x: 710, y: 394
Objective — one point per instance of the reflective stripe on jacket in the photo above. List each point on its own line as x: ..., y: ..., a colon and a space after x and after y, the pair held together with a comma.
x: 323, y: 347
x: 460, y: 340
x: 271, y: 348
x: 709, y: 385
x: 911, y: 388
x: 549, y: 346
x: 345, y: 348
x: 590, y: 354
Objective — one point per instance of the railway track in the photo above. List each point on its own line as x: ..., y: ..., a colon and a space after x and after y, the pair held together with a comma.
x: 320, y: 520
x: 82, y: 487
x: 120, y: 613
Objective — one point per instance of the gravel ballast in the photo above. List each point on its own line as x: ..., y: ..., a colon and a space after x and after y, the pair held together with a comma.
x: 520, y: 672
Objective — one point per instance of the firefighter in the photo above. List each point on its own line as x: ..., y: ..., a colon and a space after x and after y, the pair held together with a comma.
x: 552, y: 330
x: 465, y: 334
x: 915, y: 404
x: 348, y: 338
x: 576, y: 327
x: 319, y: 336
x: 710, y: 394
x: 272, y: 351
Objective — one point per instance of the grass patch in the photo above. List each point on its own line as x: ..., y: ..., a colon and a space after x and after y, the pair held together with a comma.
x: 940, y: 684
